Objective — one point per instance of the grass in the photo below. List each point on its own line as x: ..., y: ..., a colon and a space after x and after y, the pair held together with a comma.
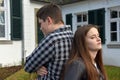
x: 20, y: 75
x: 112, y: 72
x: 7, y: 71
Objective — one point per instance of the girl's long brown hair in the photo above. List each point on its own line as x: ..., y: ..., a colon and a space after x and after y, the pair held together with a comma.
x: 79, y: 50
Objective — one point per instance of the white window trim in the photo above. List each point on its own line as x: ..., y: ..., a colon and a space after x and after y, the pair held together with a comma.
x: 113, y: 44
x: 7, y: 20
x: 81, y: 23
x: 118, y: 30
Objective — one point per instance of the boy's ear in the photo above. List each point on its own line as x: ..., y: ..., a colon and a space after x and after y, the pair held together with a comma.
x: 50, y: 20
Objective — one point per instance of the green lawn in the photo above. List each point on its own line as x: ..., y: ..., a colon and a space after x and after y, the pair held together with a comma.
x: 112, y: 72
x: 20, y: 75
x: 8, y: 71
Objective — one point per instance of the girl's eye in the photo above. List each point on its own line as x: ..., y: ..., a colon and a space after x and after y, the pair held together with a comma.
x: 92, y: 37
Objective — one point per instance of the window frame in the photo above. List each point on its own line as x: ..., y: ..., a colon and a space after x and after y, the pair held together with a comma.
x: 82, y: 22
x: 117, y: 20
x: 6, y: 10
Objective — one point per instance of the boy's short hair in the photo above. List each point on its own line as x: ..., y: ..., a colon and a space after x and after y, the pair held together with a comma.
x: 50, y: 10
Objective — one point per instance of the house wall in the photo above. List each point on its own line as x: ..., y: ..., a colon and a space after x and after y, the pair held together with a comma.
x: 10, y: 53
x: 29, y: 23
x: 111, y: 56
x: 10, y: 50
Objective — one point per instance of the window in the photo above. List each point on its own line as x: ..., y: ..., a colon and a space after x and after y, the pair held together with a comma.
x: 2, y: 24
x: 82, y: 19
x: 79, y: 18
x: 113, y: 30
x: 4, y: 20
x: 69, y: 20
x: 115, y: 26
x: 119, y: 14
x: 114, y: 14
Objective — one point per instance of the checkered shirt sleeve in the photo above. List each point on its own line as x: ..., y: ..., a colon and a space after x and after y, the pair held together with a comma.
x: 52, y: 53
x: 41, y: 55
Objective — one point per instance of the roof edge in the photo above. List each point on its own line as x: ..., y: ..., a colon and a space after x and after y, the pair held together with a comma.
x: 59, y: 3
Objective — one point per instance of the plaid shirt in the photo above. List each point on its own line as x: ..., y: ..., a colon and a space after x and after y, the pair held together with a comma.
x: 52, y: 52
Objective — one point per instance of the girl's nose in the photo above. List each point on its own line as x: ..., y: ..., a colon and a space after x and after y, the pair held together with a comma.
x: 98, y: 38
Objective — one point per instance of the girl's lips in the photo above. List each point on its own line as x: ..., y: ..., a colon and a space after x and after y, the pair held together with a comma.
x: 99, y: 43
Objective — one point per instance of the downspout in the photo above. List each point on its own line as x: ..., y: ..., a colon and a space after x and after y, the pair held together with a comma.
x: 23, y: 47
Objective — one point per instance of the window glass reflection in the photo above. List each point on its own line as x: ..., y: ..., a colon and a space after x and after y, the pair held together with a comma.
x: 113, y: 26
x: 119, y: 14
x: 114, y: 14
x: 2, y: 31
x: 113, y: 36
x: 84, y: 17
x: 1, y: 3
x: 2, y: 17
x: 2, y: 24
x: 79, y: 18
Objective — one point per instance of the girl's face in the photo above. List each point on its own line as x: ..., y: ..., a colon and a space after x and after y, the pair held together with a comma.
x: 93, y: 40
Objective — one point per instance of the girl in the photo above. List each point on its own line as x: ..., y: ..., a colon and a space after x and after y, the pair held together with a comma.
x: 85, y: 61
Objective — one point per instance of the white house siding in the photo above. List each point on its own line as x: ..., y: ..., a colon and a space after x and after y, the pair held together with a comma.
x: 111, y: 56
x: 11, y: 51
x: 10, y: 54
x: 29, y: 25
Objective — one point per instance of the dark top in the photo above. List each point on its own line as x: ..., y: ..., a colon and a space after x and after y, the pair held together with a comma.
x: 77, y: 71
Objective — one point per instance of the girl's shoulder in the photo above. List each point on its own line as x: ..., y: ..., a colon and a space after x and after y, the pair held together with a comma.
x: 79, y: 63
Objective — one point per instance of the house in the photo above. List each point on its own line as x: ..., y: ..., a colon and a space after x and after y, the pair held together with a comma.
x: 10, y: 31
x: 106, y: 14
x: 20, y: 34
